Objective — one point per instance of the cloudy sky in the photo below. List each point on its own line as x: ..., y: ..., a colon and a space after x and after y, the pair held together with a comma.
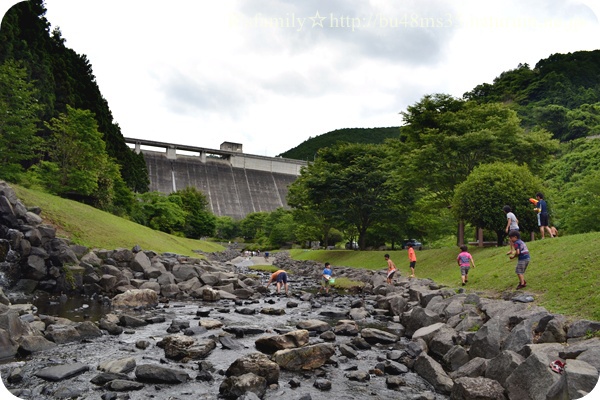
x: 271, y: 74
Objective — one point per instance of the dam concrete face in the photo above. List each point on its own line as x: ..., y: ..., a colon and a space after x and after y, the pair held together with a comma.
x: 235, y: 185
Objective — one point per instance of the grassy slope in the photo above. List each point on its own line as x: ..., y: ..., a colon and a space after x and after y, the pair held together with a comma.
x: 93, y: 228
x: 563, y: 275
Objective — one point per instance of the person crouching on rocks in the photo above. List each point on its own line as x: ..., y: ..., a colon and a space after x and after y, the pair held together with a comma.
x: 280, y: 277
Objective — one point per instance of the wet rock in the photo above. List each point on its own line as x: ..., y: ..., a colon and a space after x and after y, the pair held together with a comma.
x: 61, y: 334
x: 315, y: 325
x: 60, y: 372
x: 136, y: 298
x: 290, y: 340
x: 373, y: 335
x: 322, y: 384
x: 304, y: 358
x: 346, y: 327
x: 34, y: 343
x: 123, y: 385
x: 236, y: 386
x: 240, y: 331
x: 359, y: 376
x: 120, y: 366
x: 158, y: 374
x: 130, y: 321
x: 256, y: 363
x: 228, y: 343
x: 106, y: 377
x: 210, y: 323
x: 185, y: 348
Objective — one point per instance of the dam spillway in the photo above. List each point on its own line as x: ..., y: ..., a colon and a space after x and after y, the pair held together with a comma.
x: 235, y: 184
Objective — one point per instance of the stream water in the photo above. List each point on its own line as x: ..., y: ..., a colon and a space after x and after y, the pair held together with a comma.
x: 93, y: 352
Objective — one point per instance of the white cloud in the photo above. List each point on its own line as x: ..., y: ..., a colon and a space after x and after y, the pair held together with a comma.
x: 267, y: 75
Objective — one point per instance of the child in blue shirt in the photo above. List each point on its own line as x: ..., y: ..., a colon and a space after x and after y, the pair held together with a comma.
x: 522, y: 254
x: 325, y: 277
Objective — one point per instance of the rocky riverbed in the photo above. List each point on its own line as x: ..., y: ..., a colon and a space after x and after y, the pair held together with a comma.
x: 168, y: 326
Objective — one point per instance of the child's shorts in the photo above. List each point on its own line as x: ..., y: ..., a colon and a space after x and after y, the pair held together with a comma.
x: 390, y: 274
x: 282, y: 277
x: 464, y: 271
x: 413, y: 264
x: 521, y: 266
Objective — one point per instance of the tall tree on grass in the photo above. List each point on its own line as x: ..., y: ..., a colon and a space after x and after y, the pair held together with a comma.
x: 347, y: 185
x: 19, y: 115
x: 78, y: 160
x: 480, y: 198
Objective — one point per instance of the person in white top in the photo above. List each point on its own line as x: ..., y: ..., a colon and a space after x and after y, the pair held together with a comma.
x: 512, y: 223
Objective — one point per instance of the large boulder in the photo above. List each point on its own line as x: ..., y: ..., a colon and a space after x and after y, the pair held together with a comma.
x: 256, y: 363
x: 290, y: 340
x: 477, y: 389
x: 304, y: 358
x: 433, y: 373
x: 234, y: 387
x: 136, y: 298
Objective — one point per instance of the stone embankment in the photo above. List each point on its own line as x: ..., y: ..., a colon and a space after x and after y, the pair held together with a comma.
x: 181, y: 326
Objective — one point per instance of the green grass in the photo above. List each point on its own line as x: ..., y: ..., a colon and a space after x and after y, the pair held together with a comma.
x: 93, y: 228
x: 563, y: 275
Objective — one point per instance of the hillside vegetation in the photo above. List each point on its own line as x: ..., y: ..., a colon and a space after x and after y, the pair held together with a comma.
x: 88, y: 226
x: 563, y: 275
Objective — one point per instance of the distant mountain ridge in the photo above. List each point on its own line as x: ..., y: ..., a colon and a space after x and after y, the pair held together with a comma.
x: 308, y: 149
x: 561, y: 94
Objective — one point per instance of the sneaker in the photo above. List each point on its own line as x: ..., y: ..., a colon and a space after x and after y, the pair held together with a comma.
x: 464, y: 283
x: 520, y: 286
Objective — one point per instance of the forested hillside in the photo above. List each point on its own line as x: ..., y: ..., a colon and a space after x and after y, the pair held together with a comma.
x: 59, y: 77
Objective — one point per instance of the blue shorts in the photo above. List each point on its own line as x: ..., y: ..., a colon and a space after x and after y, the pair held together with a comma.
x: 282, y: 277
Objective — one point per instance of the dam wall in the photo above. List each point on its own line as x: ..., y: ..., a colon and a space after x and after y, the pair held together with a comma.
x: 235, y: 184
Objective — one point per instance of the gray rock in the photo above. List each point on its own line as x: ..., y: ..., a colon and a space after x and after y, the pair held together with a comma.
x: 60, y: 372
x: 158, y: 374
x: 373, y: 335
x: 235, y: 386
x: 433, y: 373
x: 255, y: 363
x: 532, y: 379
x: 500, y: 367
x: 478, y: 388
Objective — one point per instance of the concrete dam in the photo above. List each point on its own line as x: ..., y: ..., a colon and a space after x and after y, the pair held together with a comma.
x: 235, y: 184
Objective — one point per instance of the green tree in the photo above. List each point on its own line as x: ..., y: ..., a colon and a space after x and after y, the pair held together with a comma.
x: 252, y: 227
x: 160, y: 212
x: 480, y: 198
x: 346, y: 185
x: 199, y: 220
x: 280, y: 228
x: 226, y: 228
x: 456, y: 138
x: 77, y: 149
x: 19, y: 116
x: 581, y: 205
